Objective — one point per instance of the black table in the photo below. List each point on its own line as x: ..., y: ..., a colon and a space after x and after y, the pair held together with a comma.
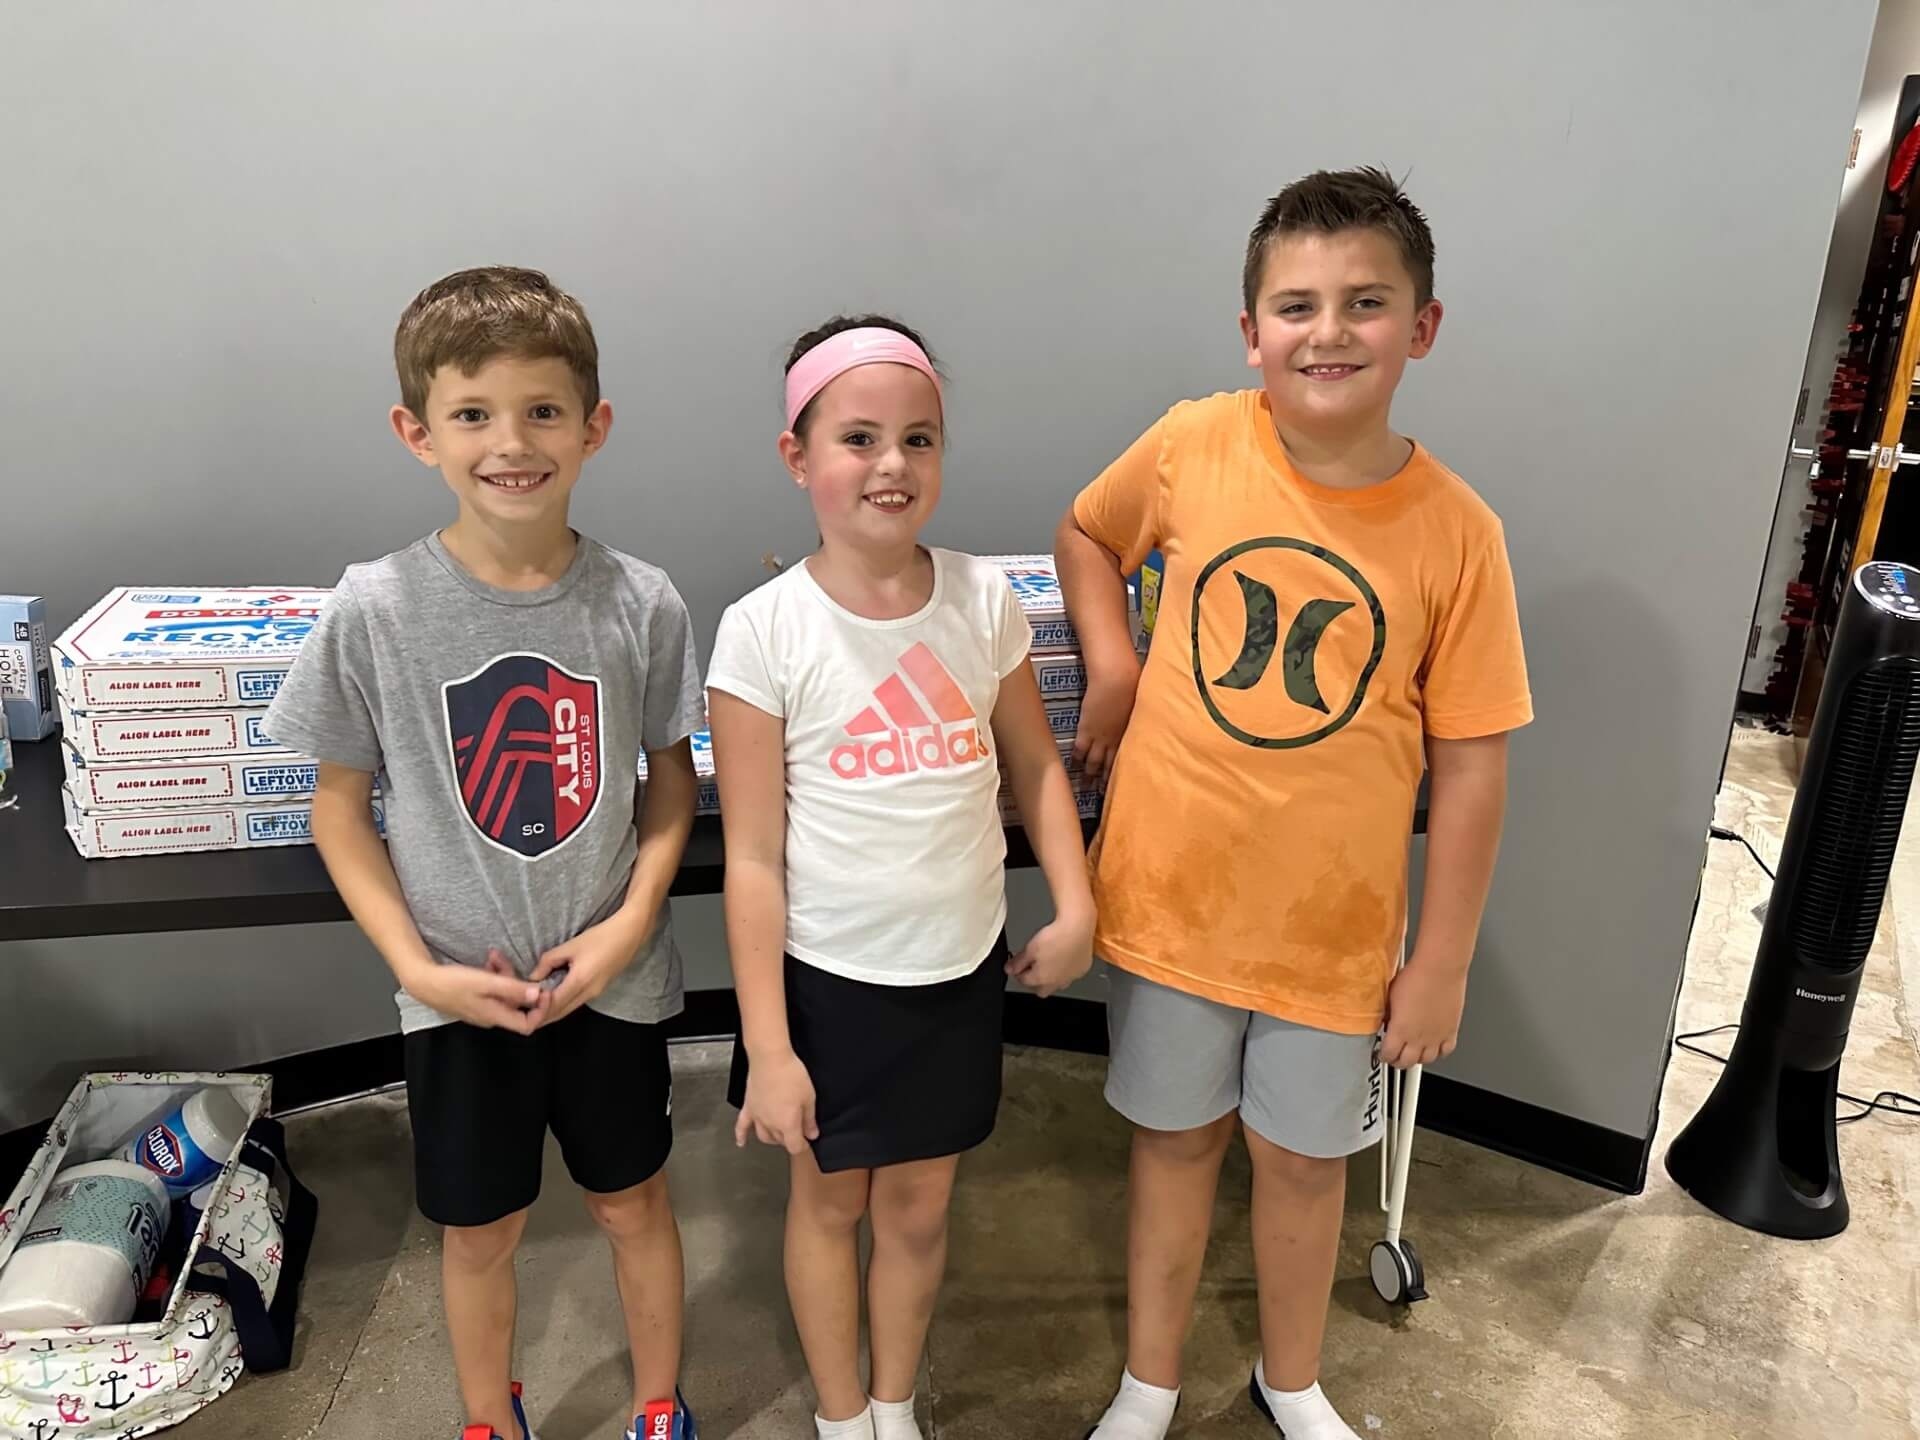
x: 47, y: 890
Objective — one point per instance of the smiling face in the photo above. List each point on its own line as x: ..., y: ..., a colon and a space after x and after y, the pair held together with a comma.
x: 508, y: 439
x: 1337, y: 317
x: 869, y: 456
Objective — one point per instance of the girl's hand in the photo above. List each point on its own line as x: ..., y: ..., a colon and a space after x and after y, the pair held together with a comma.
x: 1056, y: 956
x: 779, y: 1104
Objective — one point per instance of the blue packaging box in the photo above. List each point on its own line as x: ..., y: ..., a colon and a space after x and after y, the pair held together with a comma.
x: 26, y: 669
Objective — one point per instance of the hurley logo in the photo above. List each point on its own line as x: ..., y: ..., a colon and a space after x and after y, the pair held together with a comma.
x: 1372, y: 1115
x: 897, y: 736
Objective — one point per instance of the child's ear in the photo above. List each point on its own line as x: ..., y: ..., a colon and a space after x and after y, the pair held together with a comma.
x: 598, y: 424
x: 414, y: 434
x: 1250, y: 332
x: 793, y: 455
x: 1426, y: 328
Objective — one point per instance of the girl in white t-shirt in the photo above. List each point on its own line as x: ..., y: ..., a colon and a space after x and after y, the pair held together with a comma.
x: 862, y: 705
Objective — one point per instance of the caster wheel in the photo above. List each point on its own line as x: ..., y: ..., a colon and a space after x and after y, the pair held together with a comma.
x: 1398, y: 1275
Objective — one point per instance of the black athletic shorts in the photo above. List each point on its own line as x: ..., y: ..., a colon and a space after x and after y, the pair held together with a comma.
x: 900, y: 1072
x: 482, y: 1102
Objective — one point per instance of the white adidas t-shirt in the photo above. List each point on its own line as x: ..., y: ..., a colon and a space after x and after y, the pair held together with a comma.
x: 895, y: 853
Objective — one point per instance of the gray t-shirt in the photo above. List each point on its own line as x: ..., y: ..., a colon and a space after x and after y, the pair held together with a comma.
x: 506, y: 726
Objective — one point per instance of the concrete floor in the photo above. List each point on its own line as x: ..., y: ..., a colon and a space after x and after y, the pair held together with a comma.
x: 1557, y: 1309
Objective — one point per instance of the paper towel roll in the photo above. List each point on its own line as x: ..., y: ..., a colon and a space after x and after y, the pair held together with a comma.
x: 86, y: 1253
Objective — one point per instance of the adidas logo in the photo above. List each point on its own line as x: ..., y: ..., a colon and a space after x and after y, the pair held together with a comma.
x: 898, y: 713
x: 659, y: 1420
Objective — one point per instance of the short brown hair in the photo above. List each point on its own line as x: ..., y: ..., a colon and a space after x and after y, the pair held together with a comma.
x: 473, y: 316
x: 1329, y: 201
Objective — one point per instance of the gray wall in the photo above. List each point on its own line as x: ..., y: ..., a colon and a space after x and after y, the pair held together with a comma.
x: 1893, y: 55
x: 219, y: 210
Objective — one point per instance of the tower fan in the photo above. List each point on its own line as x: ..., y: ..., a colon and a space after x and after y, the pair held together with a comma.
x: 1763, y: 1150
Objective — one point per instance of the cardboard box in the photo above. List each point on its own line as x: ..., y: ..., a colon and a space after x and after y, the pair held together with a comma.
x: 152, y: 648
x: 1063, y: 718
x: 180, y: 829
x: 178, y: 735
x: 244, y: 781
x: 1062, y: 677
x: 26, y: 668
x: 1036, y: 584
x: 706, y: 799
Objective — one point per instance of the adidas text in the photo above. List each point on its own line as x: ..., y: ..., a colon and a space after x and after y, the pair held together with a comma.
x: 898, y: 753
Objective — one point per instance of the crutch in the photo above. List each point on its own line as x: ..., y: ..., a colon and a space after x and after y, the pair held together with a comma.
x: 1394, y: 1264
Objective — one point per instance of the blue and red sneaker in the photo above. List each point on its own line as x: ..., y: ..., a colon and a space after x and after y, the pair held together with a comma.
x: 665, y: 1420
x: 487, y: 1432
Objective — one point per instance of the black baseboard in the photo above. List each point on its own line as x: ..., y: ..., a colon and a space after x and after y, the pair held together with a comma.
x: 1578, y: 1148
x: 1611, y: 1159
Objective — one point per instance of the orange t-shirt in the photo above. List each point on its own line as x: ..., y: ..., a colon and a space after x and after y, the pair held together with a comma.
x: 1254, y: 847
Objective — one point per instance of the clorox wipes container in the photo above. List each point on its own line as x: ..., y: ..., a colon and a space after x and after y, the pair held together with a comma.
x: 189, y: 1147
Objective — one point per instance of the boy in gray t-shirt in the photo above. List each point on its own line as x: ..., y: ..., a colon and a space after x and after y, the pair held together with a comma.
x: 502, y: 677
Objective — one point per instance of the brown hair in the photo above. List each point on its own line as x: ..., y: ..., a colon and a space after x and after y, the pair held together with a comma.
x: 834, y: 327
x: 473, y: 316
x: 1329, y: 201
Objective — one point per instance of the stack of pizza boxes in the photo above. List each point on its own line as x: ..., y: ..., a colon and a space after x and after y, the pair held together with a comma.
x: 707, y: 794
x: 162, y: 693
x: 1057, y: 666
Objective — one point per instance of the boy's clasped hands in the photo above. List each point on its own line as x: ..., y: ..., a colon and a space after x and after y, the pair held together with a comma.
x: 495, y: 996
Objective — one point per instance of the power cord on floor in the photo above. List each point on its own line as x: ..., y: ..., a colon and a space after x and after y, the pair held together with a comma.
x: 1893, y: 1102
x: 1717, y: 833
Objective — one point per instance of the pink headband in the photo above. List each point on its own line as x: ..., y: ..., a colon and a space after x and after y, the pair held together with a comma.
x: 837, y: 354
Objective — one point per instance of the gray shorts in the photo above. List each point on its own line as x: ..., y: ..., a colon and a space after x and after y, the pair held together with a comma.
x: 1180, y: 1062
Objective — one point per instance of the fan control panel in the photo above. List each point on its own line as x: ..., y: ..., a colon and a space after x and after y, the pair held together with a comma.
x: 1893, y: 587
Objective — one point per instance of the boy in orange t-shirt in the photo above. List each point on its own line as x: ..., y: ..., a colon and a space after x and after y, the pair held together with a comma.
x: 1337, y: 615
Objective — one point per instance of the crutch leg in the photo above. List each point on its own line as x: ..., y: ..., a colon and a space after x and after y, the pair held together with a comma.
x: 1394, y: 1264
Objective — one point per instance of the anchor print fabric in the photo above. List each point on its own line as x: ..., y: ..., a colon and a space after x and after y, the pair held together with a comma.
x: 120, y: 1382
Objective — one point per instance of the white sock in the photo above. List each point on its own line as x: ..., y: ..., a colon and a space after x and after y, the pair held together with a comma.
x: 893, y: 1420
x: 1303, y: 1414
x: 860, y: 1427
x: 1139, y: 1412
